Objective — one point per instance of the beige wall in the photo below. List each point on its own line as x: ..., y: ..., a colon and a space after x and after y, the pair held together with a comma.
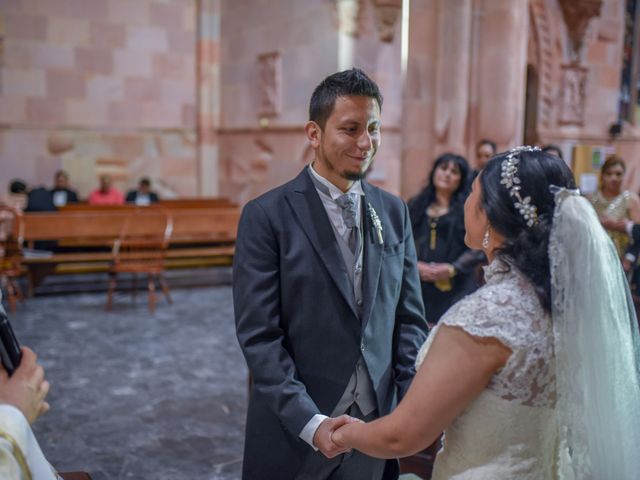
x: 209, y: 97
x: 97, y: 87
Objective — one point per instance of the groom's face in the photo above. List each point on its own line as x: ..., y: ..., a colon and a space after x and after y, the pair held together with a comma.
x: 345, y: 147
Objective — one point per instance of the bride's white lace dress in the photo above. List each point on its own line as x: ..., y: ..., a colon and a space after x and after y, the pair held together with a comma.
x: 509, y: 430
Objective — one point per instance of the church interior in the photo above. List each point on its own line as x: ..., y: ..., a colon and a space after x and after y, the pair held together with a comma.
x: 199, y: 106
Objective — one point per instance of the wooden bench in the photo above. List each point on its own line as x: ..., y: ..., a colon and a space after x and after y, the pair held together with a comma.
x: 202, y: 236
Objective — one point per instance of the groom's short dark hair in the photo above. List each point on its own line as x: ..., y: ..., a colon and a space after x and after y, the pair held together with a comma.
x: 348, y: 83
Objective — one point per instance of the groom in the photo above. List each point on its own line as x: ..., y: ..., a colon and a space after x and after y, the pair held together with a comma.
x: 327, y: 298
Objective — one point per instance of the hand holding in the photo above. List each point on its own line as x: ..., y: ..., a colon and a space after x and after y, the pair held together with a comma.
x: 338, y: 436
x: 441, y: 271
x: 618, y: 225
x: 26, y: 389
x: 322, y: 438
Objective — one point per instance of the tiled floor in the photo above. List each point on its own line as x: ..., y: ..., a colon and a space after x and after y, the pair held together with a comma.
x: 140, y: 396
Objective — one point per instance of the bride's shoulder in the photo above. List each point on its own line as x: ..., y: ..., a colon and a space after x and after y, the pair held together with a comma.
x: 503, y: 309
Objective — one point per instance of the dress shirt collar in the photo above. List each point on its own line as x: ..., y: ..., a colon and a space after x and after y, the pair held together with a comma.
x: 335, y: 192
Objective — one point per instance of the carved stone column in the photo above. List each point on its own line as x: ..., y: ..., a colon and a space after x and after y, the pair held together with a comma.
x: 502, y: 71
x: 577, y: 15
x: 452, y: 73
x: 208, y: 103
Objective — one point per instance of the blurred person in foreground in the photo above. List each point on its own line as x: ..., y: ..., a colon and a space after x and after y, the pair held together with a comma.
x: 22, y: 401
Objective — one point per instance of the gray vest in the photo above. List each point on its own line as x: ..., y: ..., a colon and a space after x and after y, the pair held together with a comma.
x: 359, y: 389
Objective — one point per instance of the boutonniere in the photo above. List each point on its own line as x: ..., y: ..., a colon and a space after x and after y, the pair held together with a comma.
x: 376, y: 224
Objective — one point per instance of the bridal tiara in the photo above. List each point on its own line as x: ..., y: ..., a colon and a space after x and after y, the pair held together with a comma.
x: 512, y: 182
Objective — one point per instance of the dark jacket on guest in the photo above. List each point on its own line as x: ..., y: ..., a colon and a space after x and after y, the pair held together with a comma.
x: 40, y: 200
x: 133, y: 195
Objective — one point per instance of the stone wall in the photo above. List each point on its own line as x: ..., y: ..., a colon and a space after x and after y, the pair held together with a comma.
x: 269, y: 70
x: 98, y: 87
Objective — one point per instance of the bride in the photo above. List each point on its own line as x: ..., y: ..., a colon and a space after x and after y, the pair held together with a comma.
x: 535, y: 375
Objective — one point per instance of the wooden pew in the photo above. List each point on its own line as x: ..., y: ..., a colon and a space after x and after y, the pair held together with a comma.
x: 201, y: 236
x: 170, y: 204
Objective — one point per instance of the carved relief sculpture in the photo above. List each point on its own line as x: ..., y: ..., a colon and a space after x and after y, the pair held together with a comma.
x: 269, y: 84
x: 574, y: 79
x: 387, y: 13
x: 347, y: 16
x: 577, y: 14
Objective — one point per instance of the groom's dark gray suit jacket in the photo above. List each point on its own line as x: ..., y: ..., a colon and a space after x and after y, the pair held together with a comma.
x: 297, y: 322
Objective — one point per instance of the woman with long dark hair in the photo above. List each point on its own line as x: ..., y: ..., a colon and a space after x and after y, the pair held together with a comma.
x: 437, y: 218
x: 536, y: 374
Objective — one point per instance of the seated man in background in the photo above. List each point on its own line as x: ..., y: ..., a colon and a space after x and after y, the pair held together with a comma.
x: 24, y: 198
x: 106, y: 194
x: 61, y: 192
x: 143, y: 196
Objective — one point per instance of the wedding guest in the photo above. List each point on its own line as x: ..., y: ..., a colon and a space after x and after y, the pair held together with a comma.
x: 445, y: 263
x: 510, y: 372
x: 106, y: 194
x: 612, y: 203
x: 485, y: 149
x: 61, y: 193
x: 553, y: 150
x: 143, y: 196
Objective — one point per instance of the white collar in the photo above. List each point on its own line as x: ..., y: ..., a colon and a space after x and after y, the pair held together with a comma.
x: 334, y: 191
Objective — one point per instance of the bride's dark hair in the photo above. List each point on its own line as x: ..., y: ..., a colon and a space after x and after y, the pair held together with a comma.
x: 526, y: 248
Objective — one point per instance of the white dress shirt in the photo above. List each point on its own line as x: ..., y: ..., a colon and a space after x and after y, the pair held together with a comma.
x: 335, y: 216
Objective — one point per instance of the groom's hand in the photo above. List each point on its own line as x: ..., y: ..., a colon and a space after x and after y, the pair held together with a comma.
x: 322, y: 438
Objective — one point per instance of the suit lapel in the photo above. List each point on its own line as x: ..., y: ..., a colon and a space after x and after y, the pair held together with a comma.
x: 313, y: 219
x: 372, y: 250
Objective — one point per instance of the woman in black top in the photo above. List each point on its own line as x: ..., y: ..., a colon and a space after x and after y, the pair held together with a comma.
x: 445, y: 263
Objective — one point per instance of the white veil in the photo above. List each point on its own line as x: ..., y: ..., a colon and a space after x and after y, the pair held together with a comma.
x: 596, y: 348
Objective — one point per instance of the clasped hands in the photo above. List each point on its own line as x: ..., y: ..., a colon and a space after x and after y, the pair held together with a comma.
x: 324, y: 439
x: 432, y: 272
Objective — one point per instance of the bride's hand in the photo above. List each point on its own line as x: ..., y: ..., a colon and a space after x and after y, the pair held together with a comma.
x: 338, y: 435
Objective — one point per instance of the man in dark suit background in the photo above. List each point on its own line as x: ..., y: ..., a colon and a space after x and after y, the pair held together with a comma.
x: 327, y: 297
x: 61, y: 193
x: 143, y: 196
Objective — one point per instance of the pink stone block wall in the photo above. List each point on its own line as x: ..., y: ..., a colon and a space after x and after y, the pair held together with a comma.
x: 86, y: 67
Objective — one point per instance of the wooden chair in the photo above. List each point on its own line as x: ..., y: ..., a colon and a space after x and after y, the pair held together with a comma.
x: 141, y: 249
x: 11, y: 229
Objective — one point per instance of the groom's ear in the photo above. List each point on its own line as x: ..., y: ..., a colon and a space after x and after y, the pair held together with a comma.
x: 314, y: 133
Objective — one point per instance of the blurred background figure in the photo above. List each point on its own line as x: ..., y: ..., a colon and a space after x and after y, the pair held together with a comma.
x: 614, y: 205
x: 106, y: 194
x: 445, y: 264
x: 24, y: 198
x: 17, y: 195
x: 553, y: 150
x: 143, y: 196
x: 61, y: 192
x: 485, y: 149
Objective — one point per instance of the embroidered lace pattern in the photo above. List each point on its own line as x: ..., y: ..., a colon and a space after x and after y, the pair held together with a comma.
x: 507, y: 308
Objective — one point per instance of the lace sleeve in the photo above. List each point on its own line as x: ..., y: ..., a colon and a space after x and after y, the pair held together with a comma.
x: 493, y: 311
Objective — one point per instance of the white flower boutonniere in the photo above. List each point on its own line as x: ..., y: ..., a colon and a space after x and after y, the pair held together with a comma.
x: 376, y: 224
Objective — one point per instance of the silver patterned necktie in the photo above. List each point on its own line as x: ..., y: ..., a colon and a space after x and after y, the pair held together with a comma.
x: 347, y: 204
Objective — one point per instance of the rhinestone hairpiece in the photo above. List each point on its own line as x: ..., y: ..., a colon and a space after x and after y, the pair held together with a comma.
x: 511, y: 180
